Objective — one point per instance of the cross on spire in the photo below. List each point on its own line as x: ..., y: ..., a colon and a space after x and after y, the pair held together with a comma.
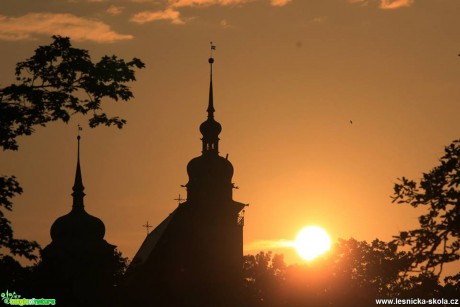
x: 147, y: 226
x: 179, y: 199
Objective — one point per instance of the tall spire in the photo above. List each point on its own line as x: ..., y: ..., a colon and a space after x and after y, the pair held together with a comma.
x: 78, y: 187
x: 210, y: 109
x: 210, y: 129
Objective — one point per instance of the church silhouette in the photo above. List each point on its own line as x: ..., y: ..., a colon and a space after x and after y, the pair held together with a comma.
x: 77, y: 266
x: 194, y: 256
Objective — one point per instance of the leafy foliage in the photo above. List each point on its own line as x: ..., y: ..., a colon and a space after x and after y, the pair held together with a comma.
x: 9, y: 187
x: 119, y: 267
x: 58, y: 82
x: 263, y: 275
x: 437, y: 240
x: 354, y: 273
x: 374, y: 266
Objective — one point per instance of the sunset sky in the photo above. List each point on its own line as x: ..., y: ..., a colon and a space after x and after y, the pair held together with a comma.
x: 289, y: 76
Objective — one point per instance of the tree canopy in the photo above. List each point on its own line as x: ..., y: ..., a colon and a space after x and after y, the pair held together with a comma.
x: 59, y: 81
x: 437, y: 241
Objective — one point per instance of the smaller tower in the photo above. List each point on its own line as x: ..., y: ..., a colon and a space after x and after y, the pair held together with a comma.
x: 77, y: 264
x: 210, y: 129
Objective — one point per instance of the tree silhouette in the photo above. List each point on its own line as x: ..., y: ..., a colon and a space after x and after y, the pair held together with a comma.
x: 57, y: 82
x: 374, y: 266
x: 354, y: 273
x: 9, y: 187
x: 436, y: 242
x: 263, y: 274
x: 119, y: 267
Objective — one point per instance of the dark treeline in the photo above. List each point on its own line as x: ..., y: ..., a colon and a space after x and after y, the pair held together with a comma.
x: 355, y: 274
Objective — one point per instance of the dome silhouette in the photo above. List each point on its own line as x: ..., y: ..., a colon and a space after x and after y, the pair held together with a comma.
x: 210, y: 129
x: 209, y: 167
x: 77, y: 225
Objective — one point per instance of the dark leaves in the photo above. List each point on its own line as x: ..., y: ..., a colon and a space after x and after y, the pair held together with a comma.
x: 58, y: 82
x: 9, y: 188
x: 436, y: 241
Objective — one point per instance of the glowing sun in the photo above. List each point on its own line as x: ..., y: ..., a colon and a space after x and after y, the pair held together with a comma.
x: 311, y: 242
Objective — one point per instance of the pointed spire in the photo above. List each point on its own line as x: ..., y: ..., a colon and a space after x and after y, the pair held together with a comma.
x: 210, y: 109
x: 78, y: 187
x: 210, y: 129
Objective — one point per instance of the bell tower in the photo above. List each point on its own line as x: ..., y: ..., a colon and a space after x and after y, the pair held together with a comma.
x: 210, y: 129
x: 195, y: 256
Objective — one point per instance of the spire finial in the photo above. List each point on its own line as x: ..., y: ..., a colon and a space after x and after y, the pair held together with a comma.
x: 210, y: 109
x: 213, y: 47
x: 78, y: 141
x: 78, y: 187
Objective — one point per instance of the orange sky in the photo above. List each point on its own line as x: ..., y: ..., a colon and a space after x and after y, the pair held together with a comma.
x: 288, y: 78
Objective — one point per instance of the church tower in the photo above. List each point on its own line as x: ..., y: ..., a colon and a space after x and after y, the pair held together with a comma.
x: 77, y: 264
x: 194, y: 257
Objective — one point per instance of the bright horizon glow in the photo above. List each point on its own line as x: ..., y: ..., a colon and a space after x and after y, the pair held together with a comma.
x: 311, y: 242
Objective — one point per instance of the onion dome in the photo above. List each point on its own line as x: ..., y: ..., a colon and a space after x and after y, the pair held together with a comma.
x: 77, y: 225
x: 210, y: 129
x: 210, y: 167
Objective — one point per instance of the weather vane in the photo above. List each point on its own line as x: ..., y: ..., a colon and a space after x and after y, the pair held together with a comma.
x: 147, y: 226
x: 213, y: 47
x: 79, y: 129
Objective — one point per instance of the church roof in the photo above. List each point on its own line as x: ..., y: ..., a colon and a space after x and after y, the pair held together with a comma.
x: 151, y: 241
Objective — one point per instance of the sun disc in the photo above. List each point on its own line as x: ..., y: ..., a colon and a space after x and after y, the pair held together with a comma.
x: 311, y: 242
